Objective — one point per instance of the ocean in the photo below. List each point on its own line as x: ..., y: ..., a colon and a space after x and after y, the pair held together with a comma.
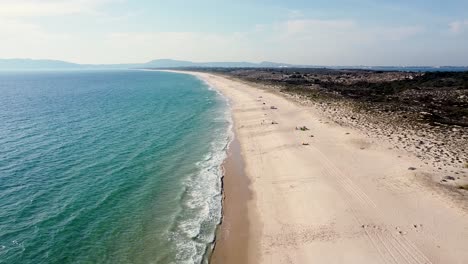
x: 109, y: 167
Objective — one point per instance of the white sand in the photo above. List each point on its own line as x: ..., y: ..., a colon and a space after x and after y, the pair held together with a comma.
x: 341, y: 199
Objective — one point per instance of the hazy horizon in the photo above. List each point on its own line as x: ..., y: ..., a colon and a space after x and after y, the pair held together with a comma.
x: 159, y: 60
x: 329, y: 33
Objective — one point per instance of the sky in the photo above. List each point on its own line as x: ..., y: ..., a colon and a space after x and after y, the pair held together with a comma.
x: 313, y: 32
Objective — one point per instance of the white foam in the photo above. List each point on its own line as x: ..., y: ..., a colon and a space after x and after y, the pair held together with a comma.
x: 194, y: 236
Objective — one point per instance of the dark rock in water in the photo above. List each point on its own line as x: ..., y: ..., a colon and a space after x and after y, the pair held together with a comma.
x: 411, y: 168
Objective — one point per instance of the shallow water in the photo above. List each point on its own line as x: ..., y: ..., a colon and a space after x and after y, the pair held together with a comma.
x: 109, y: 167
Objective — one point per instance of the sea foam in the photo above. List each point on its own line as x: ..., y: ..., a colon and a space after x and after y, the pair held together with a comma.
x: 195, y: 232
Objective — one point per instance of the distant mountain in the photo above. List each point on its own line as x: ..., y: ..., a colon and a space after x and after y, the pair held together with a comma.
x: 269, y: 64
x: 168, y: 63
x: 30, y: 64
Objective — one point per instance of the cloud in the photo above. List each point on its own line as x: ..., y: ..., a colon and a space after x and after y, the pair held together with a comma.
x: 300, y: 41
x: 339, y: 30
x: 12, y: 28
x: 294, y: 14
x: 195, y: 46
x: 342, y: 41
x: 35, y: 8
x: 458, y: 27
x: 332, y: 32
x: 260, y: 27
x: 305, y: 26
x: 23, y: 39
x: 401, y: 33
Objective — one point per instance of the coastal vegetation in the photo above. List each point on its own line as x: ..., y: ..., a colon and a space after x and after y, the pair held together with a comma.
x: 431, y: 97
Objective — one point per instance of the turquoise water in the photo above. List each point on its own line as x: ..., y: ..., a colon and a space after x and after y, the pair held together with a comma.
x: 109, y: 167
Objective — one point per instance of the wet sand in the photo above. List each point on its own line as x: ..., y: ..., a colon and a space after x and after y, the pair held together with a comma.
x: 232, y: 241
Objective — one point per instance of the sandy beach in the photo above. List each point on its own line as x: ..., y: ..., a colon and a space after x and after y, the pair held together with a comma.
x: 327, y: 193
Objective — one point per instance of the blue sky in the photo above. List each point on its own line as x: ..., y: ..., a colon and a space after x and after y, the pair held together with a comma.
x: 347, y: 32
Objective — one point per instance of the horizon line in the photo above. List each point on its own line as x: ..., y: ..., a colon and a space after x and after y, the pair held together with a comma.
x: 240, y: 61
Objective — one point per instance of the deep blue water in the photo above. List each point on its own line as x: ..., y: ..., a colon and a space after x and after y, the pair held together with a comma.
x: 109, y: 167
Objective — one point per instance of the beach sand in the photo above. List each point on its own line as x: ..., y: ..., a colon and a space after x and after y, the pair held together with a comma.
x: 328, y: 194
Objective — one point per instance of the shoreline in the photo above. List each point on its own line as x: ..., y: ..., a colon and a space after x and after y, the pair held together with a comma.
x: 326, y: 190
x: 233, y: 231
x: 233, y: 241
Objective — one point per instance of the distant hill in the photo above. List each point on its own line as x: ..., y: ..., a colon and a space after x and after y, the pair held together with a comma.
x: 30, y: 64
x: 168, y: 63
